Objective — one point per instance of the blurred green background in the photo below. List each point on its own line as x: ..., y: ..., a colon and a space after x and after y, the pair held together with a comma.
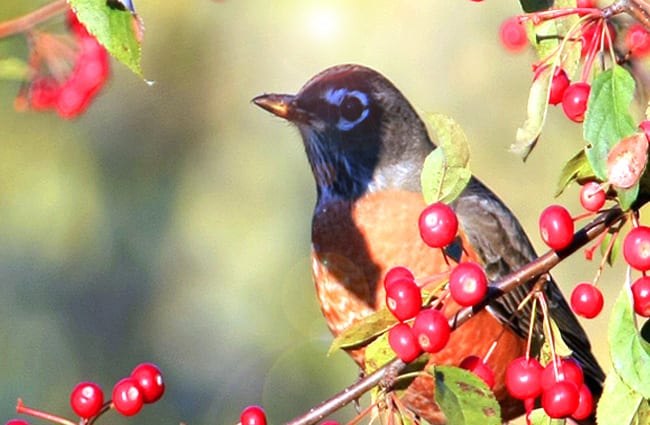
x: 171, y: 223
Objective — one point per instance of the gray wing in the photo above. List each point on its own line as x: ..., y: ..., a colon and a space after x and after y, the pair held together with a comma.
x: 501, y: 243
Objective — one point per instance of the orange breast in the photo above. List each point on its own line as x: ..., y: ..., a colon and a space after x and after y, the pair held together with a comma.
x: 354, y: 245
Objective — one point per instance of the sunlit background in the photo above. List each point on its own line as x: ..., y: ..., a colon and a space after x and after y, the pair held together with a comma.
x: 171, y: 223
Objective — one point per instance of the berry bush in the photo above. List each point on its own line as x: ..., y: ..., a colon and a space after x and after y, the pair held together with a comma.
x: 590, y: 63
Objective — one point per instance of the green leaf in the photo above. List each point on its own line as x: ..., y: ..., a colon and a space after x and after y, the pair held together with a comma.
x: 119, y: 31
x: 445, y: 172
x: 577, y: 168
x: 464, y: 398
x: 561, y: 349
x: 626, y: 197
x: 364, y: 331
x: 645, y: 332
x: 630, y: 359
x: 378, y: 353
x: 13, y: 69
x: 618, y: 404
x: 545, y: 38
x: 539, y: 417
x: 528, y: 134
x: 608, y: 118
x: 643, y: 415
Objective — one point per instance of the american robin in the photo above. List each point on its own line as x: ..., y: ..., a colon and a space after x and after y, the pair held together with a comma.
x: 366, y: 146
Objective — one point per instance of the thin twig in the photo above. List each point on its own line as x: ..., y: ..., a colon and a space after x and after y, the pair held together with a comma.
x: 26, y: 22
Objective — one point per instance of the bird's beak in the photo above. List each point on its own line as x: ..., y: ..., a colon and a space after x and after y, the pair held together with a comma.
x: 282, y: 105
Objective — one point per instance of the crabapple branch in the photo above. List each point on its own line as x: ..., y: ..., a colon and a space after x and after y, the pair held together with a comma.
x: 638, y: 9
x: 26, y: 22
x: 502, y: 286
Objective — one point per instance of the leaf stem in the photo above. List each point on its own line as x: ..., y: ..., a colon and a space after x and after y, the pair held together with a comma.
x: 27, y: 22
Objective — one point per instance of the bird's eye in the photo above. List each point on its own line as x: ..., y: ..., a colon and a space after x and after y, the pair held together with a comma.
x: 352, y: 108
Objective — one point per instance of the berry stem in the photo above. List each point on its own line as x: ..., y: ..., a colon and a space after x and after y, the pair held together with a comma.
x: 402, y: 409
x: 594, y: 48
x: 589, y: 251
x: 105, y: 408
x: 531, y: 328
x: 493, y: 346
x: 26, y: 22
x: 22, y: 409
x: 362, y: 413
x: 582, y: 216
x: 548, y: 329
x: 606, y: 254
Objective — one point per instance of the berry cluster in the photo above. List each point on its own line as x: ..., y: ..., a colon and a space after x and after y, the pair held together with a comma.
x: 595, y: 33
x: 557, y: 227
x: 427, y: 329
x: 68, y: 71
x: 560, y: 384
x: 143, y: 386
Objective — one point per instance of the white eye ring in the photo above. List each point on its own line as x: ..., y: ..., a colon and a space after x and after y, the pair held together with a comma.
x: 336, y: 98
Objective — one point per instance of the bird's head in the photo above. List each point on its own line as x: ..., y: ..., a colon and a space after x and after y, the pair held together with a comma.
x: 360, y: 132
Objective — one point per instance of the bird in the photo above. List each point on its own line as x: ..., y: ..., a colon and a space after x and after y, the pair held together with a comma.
x: 366, y: 145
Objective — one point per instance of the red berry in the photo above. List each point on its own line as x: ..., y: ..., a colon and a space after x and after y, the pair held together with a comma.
x: 513, y: 35
x: 127, y: 397
x: 432, y: 330
x: 86, y: 399
x: 524, y: 378
x: 16, y: 422
x: 559, y: 84
x: 403, y: 299
x: 438, y: 225
x: 567, y: 370
x: 403, y: 342
x: 641, y: 296
x: 468, y: 283
x: 585, y: 404
x: 397, y: 273
x: 478, y: 367
x: 253, y: 415
x: 592, y: 196
x: 556, y: 227
x: 43, y: 93
x: 560, y: 399
x: 586, y: 4
x: 574, y: 101
x: 586, y: 300
x: 71, y: 101
x: 637, y: 39
x: 636, y: 248
x: 150, y: 381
